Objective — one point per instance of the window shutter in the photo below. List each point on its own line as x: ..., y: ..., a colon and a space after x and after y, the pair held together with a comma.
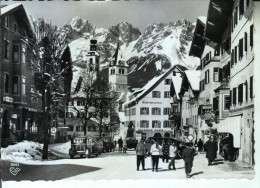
x: 241, y: 7
x: 234, y: 96
x: 241, y: 49
x: 251, y: 35
x: 246, y: 85
x: 251, y: 87
x: 236, y: 54
x: 245, y: 41
x: 220, y: 74
x: 230, y: 94
x: 240, y: 93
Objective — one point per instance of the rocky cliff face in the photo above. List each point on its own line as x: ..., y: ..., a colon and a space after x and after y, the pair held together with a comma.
x: 161, y: 46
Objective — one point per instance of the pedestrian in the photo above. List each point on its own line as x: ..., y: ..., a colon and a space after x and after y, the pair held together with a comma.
x: 155, y: 152
x: 212, y: 148
x: 200, y: 145
x: 188, y: 157
x: 172, y: 154
x: 114, y: 145
x: 140, y: 154
x: 120, y: 144
x: 165, y: 151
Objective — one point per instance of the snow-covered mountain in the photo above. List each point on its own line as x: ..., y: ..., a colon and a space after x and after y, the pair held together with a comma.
x: 148, y: 54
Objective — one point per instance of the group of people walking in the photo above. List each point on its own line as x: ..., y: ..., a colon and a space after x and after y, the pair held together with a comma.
x: 170, y: 151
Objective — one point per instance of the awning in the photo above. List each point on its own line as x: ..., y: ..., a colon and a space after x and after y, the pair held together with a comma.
x: 232, y: 125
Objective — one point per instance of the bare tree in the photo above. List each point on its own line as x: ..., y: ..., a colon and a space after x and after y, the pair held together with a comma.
x: 54, y: 74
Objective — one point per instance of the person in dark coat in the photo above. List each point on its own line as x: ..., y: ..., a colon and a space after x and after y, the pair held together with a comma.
x: 212, y: 148
x: 120, y: 144
x: 140, y: 154
x: 188, y: 157
x: 200, y: 145
x: 165, y: 152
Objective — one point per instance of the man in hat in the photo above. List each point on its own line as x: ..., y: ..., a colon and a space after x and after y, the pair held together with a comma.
x: 188, y: 156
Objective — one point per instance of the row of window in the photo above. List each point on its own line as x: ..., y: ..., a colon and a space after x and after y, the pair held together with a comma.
x: 120, y: 71
x: 8, y: 25
x: 218, y: 75
x: 15, y: 53
x: 156, y: 124
x: 145, y: 111
x: 226, y: 103
x: 157, y: 94
x: 238, y: 52
x: 238, y: 13
x: 240, y: 94
x: 14, y: 83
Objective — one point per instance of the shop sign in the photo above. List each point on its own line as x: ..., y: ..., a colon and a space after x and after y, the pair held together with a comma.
x: 14, y: 116
x: 150, y: 102
x: 206, y: 107
x: 8, y: 99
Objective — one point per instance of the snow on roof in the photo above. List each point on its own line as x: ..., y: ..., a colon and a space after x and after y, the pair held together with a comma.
x: 8, y: 8
x: 121, y: 96
x: 203, y: 19
x: 177, y: 80
x: 144, y: 89
x: 194, y: 78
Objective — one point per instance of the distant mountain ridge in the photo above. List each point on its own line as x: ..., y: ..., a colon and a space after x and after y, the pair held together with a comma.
x: 148, y: 54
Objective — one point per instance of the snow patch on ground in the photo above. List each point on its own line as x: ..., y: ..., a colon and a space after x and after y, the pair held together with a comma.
x: 22, y: 151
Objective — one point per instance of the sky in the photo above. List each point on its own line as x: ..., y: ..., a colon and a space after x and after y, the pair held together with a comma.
x: 140, y: 13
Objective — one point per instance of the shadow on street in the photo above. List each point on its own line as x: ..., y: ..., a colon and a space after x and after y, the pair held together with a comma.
x: 197, y: 173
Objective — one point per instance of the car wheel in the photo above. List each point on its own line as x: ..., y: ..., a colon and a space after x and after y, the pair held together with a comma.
x: 71, y: 156
x: 81, y: 156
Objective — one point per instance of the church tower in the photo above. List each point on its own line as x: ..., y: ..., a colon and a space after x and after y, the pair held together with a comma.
x: 92, y: 58
x: 118, y: 72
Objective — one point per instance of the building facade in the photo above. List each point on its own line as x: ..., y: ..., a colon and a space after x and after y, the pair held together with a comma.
x: 149, y: 108
x: 18, y: 107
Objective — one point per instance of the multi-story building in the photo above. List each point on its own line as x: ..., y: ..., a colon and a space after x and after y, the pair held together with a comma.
x: 226, y: 88
x: 18, y: 108
x: 240, y: 123
x: 148, y: 109
x: 175, y: 114
x: 189, y: 104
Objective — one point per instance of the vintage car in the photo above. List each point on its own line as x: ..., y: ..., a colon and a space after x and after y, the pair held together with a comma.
x: 83, y: 146
x: 160, y: 140
x: 107, y: 143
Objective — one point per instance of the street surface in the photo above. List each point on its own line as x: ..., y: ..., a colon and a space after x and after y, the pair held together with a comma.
x: 115, y: 165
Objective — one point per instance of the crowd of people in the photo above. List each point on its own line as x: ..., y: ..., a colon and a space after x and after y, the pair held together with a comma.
x: 170, y: 151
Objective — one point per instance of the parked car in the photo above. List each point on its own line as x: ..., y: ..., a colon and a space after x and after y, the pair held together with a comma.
x: 160, y: 140
x: 107, y: 142
x: 83, y: 146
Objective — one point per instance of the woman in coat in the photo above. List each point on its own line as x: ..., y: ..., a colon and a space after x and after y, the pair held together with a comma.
x: 212, y: 148
x: 165, y: 151
x: 140, y: 154
x: 155, y: 152
x: 172, y: 154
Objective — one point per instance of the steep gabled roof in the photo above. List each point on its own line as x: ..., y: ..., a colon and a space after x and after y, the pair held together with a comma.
x: 20, y: 11
x: 191, y: 79
x: 140, y: 94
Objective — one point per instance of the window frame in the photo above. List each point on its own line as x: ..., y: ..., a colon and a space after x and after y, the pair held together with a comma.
x: 17, y: 87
